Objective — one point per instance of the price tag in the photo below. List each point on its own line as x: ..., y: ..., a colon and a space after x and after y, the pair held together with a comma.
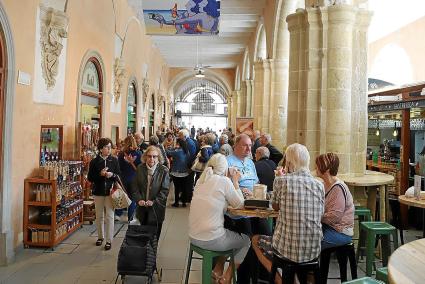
x: 417, y: 186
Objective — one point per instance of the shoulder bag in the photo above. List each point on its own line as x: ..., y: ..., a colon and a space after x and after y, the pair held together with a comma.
x: 119, y: 197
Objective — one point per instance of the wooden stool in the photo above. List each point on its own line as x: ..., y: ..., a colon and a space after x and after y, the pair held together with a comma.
x: 207, y: 262
x: 289, y: 269
x: 342, y: 252
x: 374, y: 229
x: 382, y: 274
x: 363, y: 280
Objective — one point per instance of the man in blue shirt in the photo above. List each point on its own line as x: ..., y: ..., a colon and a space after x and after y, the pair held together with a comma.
x: 240, y: 160
x: 249, y: 226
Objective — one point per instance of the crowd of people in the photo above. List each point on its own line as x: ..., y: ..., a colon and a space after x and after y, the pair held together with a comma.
x: 212, y: 172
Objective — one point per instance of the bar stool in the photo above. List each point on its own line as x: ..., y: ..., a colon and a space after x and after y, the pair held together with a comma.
x: 207, y: 262
x: 342, y: 252
x: 289, y: 269
x: 373, y: 230
x: 363, y: 214
x: 363, y: 280
x: 382, y: 274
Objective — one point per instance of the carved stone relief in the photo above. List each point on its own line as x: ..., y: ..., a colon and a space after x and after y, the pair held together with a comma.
x: 54, y: 26
x: 145, y: 90
x: 119, y: 74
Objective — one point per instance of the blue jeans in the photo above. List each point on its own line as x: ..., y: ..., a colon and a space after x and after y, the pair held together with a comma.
x: 332, y: 238
x: 131, y: 210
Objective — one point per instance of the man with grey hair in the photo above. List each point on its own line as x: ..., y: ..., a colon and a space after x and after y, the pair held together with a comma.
x: 275, y: 154
x: 265, y: 167
x: 225, y: 148
x: 256, y: 142
x: 300, y: 200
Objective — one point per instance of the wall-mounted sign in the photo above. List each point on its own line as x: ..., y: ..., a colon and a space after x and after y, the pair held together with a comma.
x: 90, y: 78
x: 396, y: 106
x: 181, y: 17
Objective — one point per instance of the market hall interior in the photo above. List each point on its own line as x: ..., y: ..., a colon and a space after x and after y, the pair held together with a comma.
x: 326, y: 74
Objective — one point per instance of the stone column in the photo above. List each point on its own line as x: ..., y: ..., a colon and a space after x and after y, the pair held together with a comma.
x: 262, y: 84
x: 242, y: 101
x: 279, y: 79
x: 328, y: 96
x: 249, y: 97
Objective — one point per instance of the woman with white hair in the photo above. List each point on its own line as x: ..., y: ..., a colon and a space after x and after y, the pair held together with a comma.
x: 213, y: 193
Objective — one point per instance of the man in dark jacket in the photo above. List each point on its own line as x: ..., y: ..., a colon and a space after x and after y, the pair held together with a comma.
x: 275, y: 154
x: 256, y: 143
x: 265, y: 167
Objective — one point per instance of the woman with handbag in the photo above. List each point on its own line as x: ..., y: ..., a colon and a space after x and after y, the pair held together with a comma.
x: 204, y: 154
x: 103, y: 172
x: 150, y: 189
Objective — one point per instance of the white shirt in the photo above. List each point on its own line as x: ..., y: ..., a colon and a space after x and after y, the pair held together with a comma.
x: 209, y: 203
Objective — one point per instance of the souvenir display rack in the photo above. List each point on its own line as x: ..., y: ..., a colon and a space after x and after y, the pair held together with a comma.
x: 87, y: 139
x: 53, y: 204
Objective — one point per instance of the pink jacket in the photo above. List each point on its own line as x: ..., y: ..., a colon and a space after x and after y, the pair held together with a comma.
x: 339, y: 208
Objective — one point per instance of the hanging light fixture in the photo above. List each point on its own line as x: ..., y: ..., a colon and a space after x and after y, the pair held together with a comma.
x: 377, y: 133
x: 395, y: 132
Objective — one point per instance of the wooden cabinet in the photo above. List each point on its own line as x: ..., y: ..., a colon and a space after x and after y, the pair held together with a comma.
x: 53, y: 209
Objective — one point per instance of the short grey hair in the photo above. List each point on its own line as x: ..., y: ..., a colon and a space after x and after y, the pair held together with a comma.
x: 268, y: 137
x: 263, y: 152
x: 225, y: 138
x: 297, y: 157
x: 184, y: 132
x: 152, y: 148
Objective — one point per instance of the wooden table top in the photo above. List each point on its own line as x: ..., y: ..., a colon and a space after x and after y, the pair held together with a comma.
x: 412, y: 201
x: 262, y: 213
x: 370, y: 178
x: 407, y: 263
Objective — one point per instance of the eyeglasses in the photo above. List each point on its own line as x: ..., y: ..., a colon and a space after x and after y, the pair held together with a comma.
x: 152, y: 156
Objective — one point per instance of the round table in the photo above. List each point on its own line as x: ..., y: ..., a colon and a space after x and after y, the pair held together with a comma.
x: 407, y: 263
x: 261, y: 213
x: 412, y: 201
x: 372, y: 180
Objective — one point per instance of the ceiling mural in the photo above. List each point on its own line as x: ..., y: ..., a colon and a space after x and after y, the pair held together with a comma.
x: 182, y: 17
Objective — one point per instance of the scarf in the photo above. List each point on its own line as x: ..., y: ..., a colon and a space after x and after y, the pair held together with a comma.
x: 151, y: 170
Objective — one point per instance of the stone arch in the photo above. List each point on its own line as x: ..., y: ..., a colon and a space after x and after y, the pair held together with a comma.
x: 260, y: 51
x: 182, y: 77
x: 392, y: 64
x: 7, y: 253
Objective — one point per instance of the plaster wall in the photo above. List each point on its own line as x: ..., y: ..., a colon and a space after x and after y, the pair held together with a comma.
x: 409, y: 40
x: 92, y: 27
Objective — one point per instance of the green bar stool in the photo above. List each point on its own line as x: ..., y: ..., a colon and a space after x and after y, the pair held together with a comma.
x: 207, y: 262
x: 363, y: 214
x: 382, y: 274
x: 363, y: 280
x: 374, y: 229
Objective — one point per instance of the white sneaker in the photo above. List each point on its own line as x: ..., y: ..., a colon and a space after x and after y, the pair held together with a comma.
x: 117, y: 218
x: 134, y: 222
x: 123, y: 218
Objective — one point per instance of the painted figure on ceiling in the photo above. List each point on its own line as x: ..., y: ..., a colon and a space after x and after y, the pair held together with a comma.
x: 201, y: 16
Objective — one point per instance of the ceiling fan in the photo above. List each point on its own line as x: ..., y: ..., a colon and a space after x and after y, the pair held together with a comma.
x: 199, y: 68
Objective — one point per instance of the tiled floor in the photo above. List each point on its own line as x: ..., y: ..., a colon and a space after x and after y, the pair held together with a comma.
x: 78, y: 260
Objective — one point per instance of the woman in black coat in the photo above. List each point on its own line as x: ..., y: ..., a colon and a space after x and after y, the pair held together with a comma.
x: 103, y: 172
x: 150, y: 189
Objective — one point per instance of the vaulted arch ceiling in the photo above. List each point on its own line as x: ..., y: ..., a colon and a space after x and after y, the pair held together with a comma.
x: 238, y: 22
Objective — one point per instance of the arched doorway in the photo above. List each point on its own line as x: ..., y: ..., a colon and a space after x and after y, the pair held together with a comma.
x: 132, y: 108
x: 202, y: 103
x: 7, y: 91
x: 91, y: 99
x: 2, y: 92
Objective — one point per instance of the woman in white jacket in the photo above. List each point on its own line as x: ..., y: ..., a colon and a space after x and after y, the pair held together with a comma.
x: 213, y: 193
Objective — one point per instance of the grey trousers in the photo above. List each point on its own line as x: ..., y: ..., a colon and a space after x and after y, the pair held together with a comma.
x: 239, y: 243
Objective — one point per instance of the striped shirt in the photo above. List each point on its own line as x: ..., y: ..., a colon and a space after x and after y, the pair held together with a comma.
x: 301, y: 199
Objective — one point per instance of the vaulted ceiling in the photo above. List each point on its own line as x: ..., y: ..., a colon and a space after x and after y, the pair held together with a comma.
x: 238, y: 22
